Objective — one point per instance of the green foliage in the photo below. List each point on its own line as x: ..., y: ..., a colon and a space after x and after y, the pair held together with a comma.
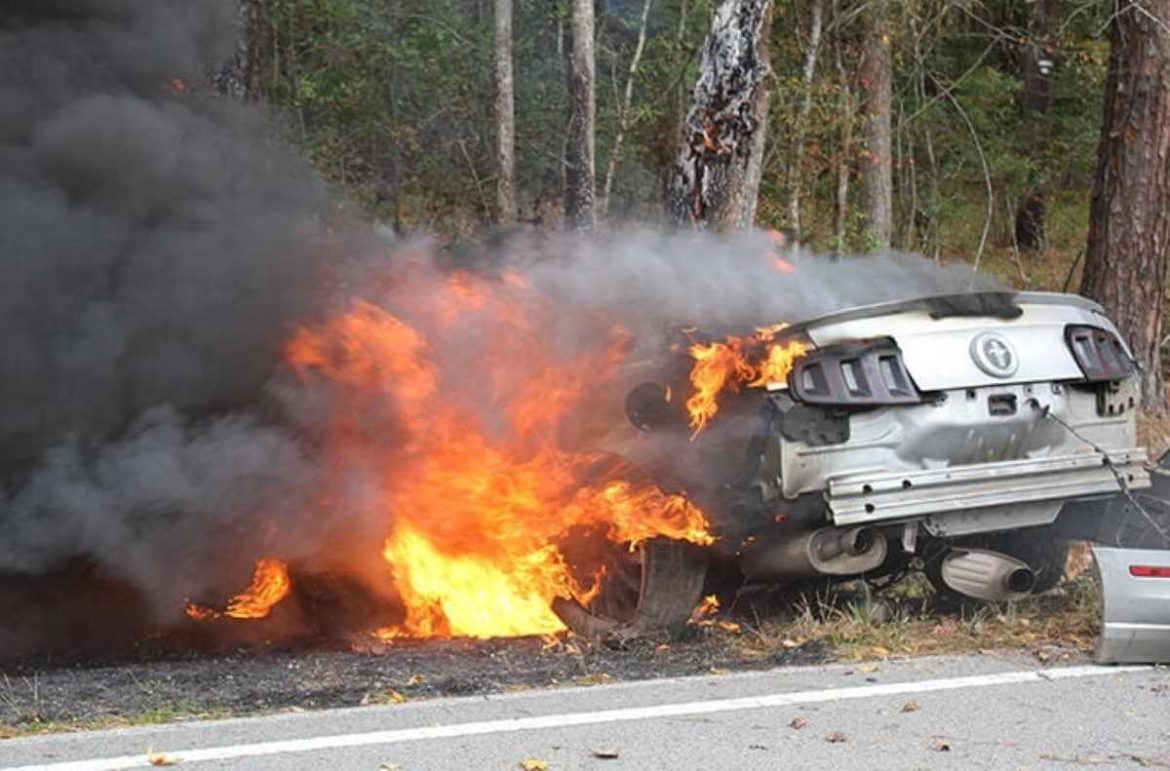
x: 393, y: 100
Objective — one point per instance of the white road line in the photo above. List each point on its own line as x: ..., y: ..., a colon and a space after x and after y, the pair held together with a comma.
x: 512, y: 725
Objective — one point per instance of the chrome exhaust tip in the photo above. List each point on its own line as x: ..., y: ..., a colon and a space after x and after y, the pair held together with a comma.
x: 1020, y: 580
x: 987, y: 575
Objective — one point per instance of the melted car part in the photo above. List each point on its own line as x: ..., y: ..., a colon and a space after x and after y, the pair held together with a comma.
x: 814, y: 426
x: 1000, y: 305
x: 1099, y: 353
x: 648, y: 407
x: 862, y: 374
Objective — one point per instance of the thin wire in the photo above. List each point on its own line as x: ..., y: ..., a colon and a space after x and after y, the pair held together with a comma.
x: 1046, y: 411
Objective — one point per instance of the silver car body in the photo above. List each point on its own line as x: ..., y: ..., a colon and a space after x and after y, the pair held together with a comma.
x: 1135, y: 624
x: 950, y: 462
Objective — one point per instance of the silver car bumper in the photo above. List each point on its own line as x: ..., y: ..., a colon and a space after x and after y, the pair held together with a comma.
x: 1135, y: 624
x: 866, y: 498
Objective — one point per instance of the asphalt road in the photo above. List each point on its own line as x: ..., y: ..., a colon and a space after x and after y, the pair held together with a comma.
x: 951, y: 712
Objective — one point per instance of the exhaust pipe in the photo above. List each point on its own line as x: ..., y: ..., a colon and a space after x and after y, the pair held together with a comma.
x: 829, y: 551
x: 987, y: 575
x: 853, y: 542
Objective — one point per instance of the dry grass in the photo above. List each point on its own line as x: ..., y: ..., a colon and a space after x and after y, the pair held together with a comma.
x: 1154, y: 433
x: 856, y: 626
x: 159, y: 716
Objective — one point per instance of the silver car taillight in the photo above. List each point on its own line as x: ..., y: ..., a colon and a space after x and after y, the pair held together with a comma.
x: 1099, y: 353
x: 854, y: 374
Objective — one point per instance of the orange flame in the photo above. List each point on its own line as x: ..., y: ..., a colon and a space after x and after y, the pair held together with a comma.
x: 736, y: 362
x: 708, y: 607
x: 270, y: 584
x: 453, y: 403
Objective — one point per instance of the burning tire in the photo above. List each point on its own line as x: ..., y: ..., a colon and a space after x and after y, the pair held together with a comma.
x: 652, y: 589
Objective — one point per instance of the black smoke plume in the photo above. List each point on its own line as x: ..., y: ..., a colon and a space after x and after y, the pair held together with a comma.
x: 155, y: 244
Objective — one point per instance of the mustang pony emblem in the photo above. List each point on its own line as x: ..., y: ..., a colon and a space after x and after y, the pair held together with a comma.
x: 994, y: 355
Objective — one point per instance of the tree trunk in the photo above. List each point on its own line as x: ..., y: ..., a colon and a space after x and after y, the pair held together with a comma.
x: 877, y: 171
x: 1129, y: 217
x: 580, y: 180
x: 845, y: 151
x: 716, y: 176
x: 242, y: 77
x: 796, y: 155
x: 1037, y: 60
x: 505, y: 116
x: 624, y: 108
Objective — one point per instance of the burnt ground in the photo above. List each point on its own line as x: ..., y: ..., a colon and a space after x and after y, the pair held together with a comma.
x: 161, y: 680
x: 46, y: 695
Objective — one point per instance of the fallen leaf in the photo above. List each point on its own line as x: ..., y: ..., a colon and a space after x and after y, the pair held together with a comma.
x: 1086, y: 760
x: 941, y: 745
x: 911, y: 706
x: 382, y: 697
x: 416, y: 680
x: 605, y: 754
x: 160, y: 759
x: 798, y: 723
x: 789, y: 643
x: 389, y: 767
x: 867, y: 668
x: 836, y: 737
x: 534, y: 764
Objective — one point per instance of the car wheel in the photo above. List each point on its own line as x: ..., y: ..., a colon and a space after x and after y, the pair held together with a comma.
x: 1040, y: 548
x: 653, y: 588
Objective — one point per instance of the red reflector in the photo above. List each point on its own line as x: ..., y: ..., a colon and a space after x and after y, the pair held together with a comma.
x: 1149, y: 571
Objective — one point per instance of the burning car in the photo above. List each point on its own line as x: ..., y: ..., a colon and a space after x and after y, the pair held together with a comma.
x: 970, y: 437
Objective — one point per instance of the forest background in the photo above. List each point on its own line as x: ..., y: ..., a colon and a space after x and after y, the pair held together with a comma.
x: 449, y: 116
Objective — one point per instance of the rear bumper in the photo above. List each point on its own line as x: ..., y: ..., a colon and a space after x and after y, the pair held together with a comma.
x: 1135, y: 624
x: 877, y: 497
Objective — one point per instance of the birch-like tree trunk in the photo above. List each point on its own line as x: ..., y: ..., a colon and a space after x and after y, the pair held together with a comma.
x: 505, y: 116
x: 580, y: 174
x: 796, y: 154
x: 845, y: 151
x: 624, y: 108
x: 716, y: 176
x: 242, y: 77
x: 1129, y: 216
x: 877, y: 161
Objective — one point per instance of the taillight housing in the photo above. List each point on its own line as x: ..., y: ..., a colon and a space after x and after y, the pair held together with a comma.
x: 1099, y: 354
x: 867, y: 373
x: 1149, y: 571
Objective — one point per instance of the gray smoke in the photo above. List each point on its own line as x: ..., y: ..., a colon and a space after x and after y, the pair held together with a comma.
x: 651, y: 280
x: 155, y: 245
